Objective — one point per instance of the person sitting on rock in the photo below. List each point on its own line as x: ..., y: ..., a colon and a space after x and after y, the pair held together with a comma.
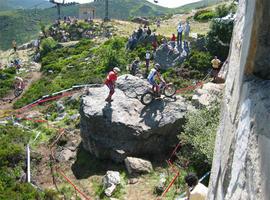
x: 155, y: 72
x: 194, y: 189
x: 110, y: 82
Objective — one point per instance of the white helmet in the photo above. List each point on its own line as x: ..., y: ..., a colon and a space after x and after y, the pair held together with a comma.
x: 116, y: 69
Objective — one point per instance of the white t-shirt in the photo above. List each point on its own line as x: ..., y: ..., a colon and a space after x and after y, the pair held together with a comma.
x: 180, y: 29
x: 148, y: 56
x: 152, y: 74
x: 199, y: 192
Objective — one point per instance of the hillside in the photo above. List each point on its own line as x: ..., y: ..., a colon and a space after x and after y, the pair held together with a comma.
x: 24, y: 25
x: 22, y: 4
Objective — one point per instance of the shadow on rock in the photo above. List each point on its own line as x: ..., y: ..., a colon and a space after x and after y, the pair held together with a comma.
x: 107, y: 111
x: 150, y: 113
x: 87, y: 165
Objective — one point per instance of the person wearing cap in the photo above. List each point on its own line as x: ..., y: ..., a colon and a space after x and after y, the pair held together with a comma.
x: 110, y: 82
x: 155, y: 73
x: 194, y: 189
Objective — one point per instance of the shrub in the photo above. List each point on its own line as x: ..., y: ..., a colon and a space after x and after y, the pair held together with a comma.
x: 223, y: 10
x: 198, y: 137
x: 219, y: 37
x: 47, y: 45
x: 204, y: 15
x: 12, y: 143
x: 6, y: 81
x: 198, y: 60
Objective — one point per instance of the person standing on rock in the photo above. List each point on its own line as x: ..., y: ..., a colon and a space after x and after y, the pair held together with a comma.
x: 215, y: 67
x: 110, y: 82
x: 194, y: 189
x: 179, y: 35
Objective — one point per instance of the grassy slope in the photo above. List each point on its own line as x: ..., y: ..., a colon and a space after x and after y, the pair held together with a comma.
x: 23, y: 25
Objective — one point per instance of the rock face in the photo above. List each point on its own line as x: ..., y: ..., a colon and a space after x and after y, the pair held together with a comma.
x: 138, y: 166
x: 241, y: 162
x: 125, y: 127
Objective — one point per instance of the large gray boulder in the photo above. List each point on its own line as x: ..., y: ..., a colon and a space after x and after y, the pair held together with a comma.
x: 125, y: 127
x: 168, y: 57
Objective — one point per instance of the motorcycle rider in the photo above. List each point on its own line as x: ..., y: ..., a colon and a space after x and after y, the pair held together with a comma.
x: 153, y: 75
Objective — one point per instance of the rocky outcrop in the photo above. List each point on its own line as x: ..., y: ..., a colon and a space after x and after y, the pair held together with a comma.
x: 241, y: 162
x: 138, y: 166
x: 208, y: 94
x: 125, y: 127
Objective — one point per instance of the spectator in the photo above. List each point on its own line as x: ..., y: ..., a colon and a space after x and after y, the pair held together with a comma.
x: 194, y: 189
x: 135, y: 66
x: 187, y: 30
x: 148, y: 31
x: 147, y: 60
x: 179, y: 34
x: 215, y: 68
x: 158, y: 23
x: 14, y: 45
x: 173, y: 39
x: 139, y: 32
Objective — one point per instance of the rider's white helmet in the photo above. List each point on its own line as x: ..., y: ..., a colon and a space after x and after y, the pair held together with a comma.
x: 116, y: 69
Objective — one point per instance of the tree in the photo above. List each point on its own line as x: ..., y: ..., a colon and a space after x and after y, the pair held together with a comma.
x: 219, y: 37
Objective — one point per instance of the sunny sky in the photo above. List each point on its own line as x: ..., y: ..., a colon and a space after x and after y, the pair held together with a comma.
x: 166, y: 3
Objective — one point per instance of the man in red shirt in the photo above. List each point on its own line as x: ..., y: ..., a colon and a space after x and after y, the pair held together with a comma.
x: 173, y: 39
x: 110, y: 82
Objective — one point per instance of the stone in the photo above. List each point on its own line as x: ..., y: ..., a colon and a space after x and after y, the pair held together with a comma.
x: 65, y: 155
x: 74, y: 117
x: 60, y: 106
x: 138, y: 166
x: 110, y: 181
x: 240, y: 168
x: 126, y: 124
x: 208, y: 94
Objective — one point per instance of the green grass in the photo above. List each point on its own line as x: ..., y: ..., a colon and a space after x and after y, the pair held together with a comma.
x: 6, y: 81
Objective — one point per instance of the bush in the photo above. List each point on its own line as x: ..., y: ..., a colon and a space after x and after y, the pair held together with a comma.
x: 6, y: 81
x: 219, y: 37
x: 12, y: 143
x: 47, y: 45
x: 204, y: 15
x: 198, y: 137
x: 198, y: 60
x: 223, y: 10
